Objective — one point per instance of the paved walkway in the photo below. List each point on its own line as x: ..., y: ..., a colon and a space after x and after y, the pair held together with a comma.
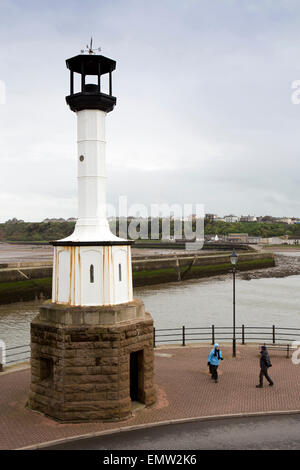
x: 184, y: 390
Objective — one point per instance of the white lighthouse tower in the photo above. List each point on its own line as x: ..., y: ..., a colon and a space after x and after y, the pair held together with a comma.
x: 92, y: 266
x: 91, y: 346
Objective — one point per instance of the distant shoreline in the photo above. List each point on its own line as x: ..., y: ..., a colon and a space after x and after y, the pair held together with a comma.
x: 284, y: 266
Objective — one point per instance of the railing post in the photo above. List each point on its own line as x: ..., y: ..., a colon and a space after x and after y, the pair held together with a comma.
x: 183, y: 336
x: 2, y: 355
x: 273, y: 331
x: 243, y: 334
x: 212, y: 334
x: 154, y: 345
x: 288, y: 351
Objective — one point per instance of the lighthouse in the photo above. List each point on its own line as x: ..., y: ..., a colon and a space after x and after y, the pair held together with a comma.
x: 92, y: 343
x: 92, y: 266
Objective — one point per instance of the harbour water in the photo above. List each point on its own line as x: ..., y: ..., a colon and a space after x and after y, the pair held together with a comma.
x: 196, y: 303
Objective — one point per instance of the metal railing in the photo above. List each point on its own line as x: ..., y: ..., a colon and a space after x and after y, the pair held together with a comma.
x: 17, y: 354
x: 271, y: 335
x: 213, y: 334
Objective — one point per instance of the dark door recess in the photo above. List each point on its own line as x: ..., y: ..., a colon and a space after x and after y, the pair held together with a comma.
x: 136, y: 375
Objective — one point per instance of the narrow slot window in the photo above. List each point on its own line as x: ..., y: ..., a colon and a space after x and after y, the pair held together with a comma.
x: 120, y: 272
x: 91, y: 273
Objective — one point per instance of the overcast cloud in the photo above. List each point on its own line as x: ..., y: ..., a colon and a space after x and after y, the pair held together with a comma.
x: 204, y: 111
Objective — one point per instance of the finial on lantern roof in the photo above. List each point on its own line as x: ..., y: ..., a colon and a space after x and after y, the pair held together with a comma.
x: 89, y: 48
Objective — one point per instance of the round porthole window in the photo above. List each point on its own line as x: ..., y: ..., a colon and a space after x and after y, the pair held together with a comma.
x: 81, y: 158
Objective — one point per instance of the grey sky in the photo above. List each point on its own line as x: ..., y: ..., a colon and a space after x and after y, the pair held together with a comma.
x: 204, y: 112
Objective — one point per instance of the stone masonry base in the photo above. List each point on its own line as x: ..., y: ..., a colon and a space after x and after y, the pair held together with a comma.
x: 87, y: 371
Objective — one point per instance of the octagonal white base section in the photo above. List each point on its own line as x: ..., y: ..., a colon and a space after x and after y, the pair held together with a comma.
x: 92, y: 275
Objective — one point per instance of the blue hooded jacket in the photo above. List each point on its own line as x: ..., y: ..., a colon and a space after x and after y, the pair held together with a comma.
x: 214, y: 358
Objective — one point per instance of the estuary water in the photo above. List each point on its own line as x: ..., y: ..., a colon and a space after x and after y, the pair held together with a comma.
x: 195, y: 303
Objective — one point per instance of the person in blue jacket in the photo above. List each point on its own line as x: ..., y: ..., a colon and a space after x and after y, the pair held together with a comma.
x: 214, y: 358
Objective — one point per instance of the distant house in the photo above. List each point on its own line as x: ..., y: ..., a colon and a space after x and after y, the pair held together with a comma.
x: 293, y: 241
x: 237, y: 237
x: 268, y: 219
x: 285, y: 220
x: 272, y: 241
x: 248, y: 218
x: 231, y: 218
x: 254, y: 240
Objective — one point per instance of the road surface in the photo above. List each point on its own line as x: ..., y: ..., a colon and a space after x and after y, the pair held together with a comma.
x: 255, y: 433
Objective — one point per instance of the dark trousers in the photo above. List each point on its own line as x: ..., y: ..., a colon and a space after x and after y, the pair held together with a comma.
x: 264, y: 373
x: 214, y: 371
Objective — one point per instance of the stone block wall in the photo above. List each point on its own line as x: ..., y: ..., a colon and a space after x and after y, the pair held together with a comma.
x: 82, y: 372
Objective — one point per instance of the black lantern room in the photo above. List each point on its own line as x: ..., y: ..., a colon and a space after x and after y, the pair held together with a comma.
x: 90, y: 95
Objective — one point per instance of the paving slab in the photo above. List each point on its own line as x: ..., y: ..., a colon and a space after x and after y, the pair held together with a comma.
x: 184, y: 391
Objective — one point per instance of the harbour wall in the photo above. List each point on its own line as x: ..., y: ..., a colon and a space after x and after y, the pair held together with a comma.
x: 28, y: 281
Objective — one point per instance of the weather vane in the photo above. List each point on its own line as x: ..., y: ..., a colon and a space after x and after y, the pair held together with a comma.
x: 89, y: 48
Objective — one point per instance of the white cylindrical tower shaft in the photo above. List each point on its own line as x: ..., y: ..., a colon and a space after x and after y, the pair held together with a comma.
x: 91, y: 167
x: 92, y: 223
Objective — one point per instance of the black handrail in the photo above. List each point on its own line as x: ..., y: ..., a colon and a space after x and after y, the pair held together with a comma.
x: 17, y: 347
x: 211, y: 334
x: 17, y: 356
x: 276, y: 335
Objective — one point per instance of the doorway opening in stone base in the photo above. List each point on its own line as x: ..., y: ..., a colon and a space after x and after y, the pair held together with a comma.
x: 137, y: 377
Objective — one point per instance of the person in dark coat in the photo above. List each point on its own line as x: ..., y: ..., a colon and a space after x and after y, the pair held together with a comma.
x: 264, y: 363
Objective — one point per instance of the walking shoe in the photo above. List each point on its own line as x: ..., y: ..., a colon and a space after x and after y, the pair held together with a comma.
x: 271, y: 385
x: 259, y: 386
x: 216, y: 381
